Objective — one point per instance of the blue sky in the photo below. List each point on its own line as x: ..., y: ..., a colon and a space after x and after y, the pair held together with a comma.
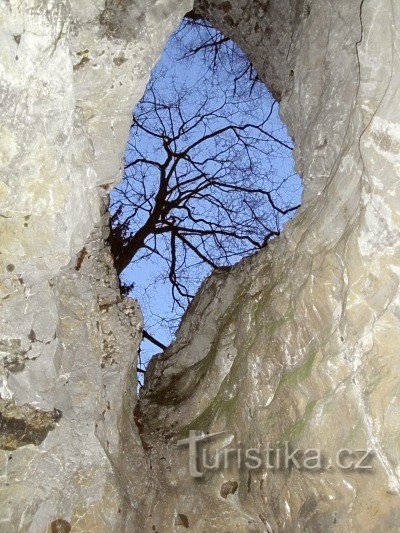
x: 150, y: 286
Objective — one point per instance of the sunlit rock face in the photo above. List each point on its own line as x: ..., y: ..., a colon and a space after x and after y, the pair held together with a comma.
x: 298, y: 344
x: 71, y: 73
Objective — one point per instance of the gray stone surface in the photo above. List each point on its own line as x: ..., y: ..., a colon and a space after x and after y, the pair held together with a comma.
x: 298, y: 343
x: 71, y: 73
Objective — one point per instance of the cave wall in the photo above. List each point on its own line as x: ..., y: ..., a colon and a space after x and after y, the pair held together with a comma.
x: 71, y: 74
x: 298, y: 343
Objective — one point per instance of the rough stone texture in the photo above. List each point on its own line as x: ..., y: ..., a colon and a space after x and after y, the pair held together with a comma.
x: 23, y: 424
x: 70, y: 75
x: 298, y: 343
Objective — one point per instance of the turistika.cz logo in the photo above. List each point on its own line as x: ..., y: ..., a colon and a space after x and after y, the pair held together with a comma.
x: 204, y: 454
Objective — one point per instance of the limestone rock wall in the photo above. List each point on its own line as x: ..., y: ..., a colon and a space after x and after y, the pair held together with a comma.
x: 71, y: 72
x: 298, y: 343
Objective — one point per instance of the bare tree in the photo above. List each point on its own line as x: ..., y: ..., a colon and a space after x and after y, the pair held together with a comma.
x: 197, y: 188
x: 206, y: 178
x: 220, y: 53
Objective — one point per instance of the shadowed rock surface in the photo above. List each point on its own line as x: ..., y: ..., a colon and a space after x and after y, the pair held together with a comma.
x: 23, y: 424
x: 298, y: 343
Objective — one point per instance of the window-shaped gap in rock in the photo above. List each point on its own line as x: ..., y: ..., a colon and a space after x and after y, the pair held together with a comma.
x: 208, y: 176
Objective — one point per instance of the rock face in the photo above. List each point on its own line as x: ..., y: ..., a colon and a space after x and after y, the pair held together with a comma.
x: 296, y: 347
x: 71, y: 73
